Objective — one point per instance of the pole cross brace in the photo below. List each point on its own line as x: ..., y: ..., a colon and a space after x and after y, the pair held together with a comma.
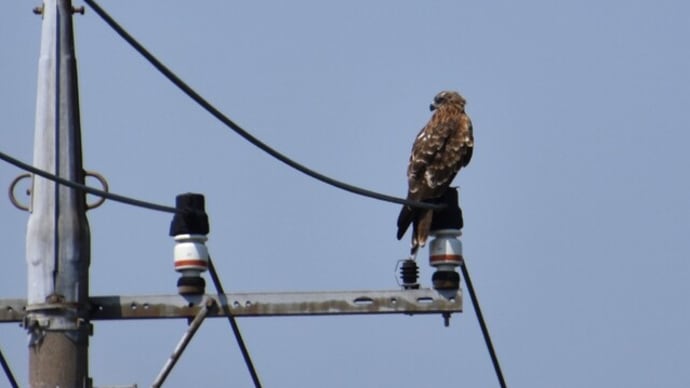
x: 206, y: 306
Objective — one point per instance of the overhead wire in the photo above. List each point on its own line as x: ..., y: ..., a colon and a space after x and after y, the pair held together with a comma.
x: 172, y: 77
x: 87, y: 189
x: 233, y: 324
x: 482, y: 325
x: 8, y: 371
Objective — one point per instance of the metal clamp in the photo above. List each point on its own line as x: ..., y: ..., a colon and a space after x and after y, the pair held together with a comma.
x: 42, y: 318
x: 52, y: 316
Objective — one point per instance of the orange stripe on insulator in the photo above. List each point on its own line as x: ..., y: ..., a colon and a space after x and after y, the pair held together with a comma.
x: 445, y: 258
x: 195, y: 263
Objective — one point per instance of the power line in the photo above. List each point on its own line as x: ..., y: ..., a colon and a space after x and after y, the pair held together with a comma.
x: 8, y: 371
x: 233, y: 325
x: 235, y: 127
x: 87, y: 189
x: 482, y: 324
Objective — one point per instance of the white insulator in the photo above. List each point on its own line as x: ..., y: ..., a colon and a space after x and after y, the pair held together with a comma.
x: 191, y: 254
x: 445, y: 250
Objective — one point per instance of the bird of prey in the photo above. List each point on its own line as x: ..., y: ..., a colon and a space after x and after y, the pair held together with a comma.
x: 441, y: 148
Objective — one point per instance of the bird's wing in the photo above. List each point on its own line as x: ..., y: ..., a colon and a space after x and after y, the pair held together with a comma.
x: 434, y: 160
x: 467, y: 142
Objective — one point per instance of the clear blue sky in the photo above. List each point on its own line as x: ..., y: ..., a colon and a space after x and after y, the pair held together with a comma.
x: 577, y: 200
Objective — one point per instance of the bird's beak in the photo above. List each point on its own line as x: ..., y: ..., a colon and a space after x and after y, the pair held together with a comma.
x: 432, y: 107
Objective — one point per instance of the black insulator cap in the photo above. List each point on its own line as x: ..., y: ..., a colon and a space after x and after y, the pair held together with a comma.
x: 450, y: 217
x: 192, y: 218
x: 409, y: 273
x: 446, y: 280
x: 191, y: 285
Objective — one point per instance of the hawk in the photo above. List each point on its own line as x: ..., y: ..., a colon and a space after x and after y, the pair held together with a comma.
x: 441, y: 148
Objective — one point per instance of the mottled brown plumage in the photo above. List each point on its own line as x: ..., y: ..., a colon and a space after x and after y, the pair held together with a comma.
x: 441, y: 148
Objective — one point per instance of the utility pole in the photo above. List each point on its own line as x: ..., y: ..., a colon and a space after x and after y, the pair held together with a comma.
x: 58, y: 239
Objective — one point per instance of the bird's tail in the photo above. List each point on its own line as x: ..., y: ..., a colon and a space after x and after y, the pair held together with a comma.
x: 420, y: 228
x: 420, y: 219
x: 407, y: 215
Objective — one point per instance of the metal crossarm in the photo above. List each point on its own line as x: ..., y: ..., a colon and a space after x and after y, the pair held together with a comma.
x: 422, y: 301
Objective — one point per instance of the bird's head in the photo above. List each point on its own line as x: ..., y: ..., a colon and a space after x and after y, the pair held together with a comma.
x: 447, y: 97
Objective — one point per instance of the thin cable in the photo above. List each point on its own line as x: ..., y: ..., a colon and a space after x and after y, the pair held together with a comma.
x: 87, y: 189
x: 482, y: 324
x: 235, y: 127
x: 8, y: 371
x: 233, y: 324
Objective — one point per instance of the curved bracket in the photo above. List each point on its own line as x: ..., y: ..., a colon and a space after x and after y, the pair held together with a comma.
x: 13, y: 198
x: 104, y: 186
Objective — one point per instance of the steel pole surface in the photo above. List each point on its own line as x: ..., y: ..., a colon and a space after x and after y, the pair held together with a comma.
x: 58, y: 240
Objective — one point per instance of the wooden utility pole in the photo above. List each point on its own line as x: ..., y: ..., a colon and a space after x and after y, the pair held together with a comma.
x: 58, y: 240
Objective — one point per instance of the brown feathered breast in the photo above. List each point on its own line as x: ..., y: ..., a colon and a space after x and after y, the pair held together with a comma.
x: 441, y: 148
